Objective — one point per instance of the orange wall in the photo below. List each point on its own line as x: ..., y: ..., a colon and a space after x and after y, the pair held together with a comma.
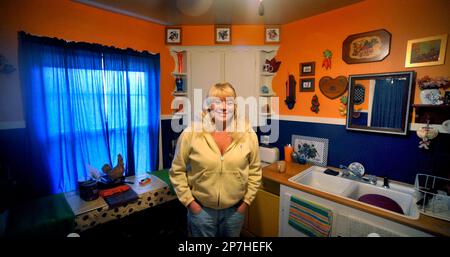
x: 304, y: 41
x: 75, y: 22
x: 301, y: 41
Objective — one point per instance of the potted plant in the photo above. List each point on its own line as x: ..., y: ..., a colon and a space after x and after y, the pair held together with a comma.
x: 430, y: 89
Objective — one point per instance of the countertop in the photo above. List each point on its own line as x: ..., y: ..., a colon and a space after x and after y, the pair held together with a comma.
x: 425, y: 223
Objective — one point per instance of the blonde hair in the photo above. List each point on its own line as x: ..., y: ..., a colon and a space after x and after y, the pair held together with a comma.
x: 223, y: 90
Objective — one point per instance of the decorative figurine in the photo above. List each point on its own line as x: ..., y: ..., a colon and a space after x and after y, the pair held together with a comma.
x: 290, y: 92
x: 179, y: 83
x: 117, y: 171
x: 315, y: 104
x: 343, y: 107
x: 180, y: 61
x: 426, y: 133
x: 327, y: 61
x: 273, y: 65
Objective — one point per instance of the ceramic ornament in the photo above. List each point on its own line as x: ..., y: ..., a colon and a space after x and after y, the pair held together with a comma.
x: 290, y: 92
x: 272, y: 65
x: 343, y: 106
x: 333, y: 87
x: 327, y: 54
x: 426, y: 134
x: 315, y: 104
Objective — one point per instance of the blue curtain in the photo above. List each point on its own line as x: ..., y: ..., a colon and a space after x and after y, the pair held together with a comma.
x: 79, y: 113
x: 132, y: 97
x: 388, y: 103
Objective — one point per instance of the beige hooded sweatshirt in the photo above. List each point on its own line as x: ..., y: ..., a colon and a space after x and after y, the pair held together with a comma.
x: 200, y: 172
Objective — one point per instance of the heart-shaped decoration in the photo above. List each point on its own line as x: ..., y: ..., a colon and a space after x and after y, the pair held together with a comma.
x: 333, y: 88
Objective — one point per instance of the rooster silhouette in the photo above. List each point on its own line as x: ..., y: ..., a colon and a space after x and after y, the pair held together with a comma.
x: 117, y: 171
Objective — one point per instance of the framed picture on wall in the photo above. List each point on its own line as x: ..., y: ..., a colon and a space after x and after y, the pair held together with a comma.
x: 223, y: 34
x: 372, y: 46
x: 307, y: 85
x: 272, y: 34
x: 307, y: 68
x: 312, y: 149
x: 426, y: 51
x: 173, y: 35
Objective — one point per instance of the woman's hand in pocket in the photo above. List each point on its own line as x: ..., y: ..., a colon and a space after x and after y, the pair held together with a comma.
x: 194, y: 207
x: 242, y: 208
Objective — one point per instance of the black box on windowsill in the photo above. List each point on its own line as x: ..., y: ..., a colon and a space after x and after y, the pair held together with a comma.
x: 88, y: 190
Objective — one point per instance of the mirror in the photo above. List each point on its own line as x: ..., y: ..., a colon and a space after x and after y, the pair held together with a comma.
x: 380, y: 102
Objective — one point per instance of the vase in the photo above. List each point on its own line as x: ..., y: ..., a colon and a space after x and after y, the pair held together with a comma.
x: 179, y: 84
x: 430, y: 96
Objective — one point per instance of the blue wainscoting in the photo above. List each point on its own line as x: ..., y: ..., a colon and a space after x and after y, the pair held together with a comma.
x: 395, y: 156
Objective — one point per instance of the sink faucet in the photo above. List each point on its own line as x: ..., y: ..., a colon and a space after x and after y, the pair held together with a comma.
x: 348, y: 173
x: 386, y: 183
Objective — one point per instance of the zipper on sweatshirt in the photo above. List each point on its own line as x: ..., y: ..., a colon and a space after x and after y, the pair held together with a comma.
x: 220, y: 184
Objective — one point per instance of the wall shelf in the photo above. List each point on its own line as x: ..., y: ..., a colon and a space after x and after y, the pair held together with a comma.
x: 435, y: 114
x: 267, y: 95
x: 179, y: 74
x: 176, y: 93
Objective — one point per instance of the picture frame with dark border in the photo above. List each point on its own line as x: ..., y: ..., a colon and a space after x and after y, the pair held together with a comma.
x: 222, y: 34
x: 307, y: 85
x: 371, y: 46
x: 272, y: 34
x: 173, y: 35
x: 307, y: 68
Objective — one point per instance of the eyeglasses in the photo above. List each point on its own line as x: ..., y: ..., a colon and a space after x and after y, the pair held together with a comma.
x: 228, y: 102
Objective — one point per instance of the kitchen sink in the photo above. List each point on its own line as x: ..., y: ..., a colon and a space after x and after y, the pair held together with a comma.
x: 398, y: 199
x: 315, y: 178
x: 401, y: 196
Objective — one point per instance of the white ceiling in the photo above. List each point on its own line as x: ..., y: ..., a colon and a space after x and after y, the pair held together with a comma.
x: 204, y: 12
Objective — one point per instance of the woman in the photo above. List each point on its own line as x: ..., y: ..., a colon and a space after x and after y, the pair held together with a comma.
x: 216, y: 170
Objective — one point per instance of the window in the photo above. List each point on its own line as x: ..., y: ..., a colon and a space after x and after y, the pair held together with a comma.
x: 85, y: 104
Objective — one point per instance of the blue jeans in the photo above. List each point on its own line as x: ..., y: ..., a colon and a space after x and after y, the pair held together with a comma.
x: 215, y: 223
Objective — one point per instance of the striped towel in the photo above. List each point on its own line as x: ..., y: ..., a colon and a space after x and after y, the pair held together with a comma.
x: 310, y: 218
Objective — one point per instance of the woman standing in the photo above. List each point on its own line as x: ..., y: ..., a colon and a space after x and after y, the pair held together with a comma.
x: 216, y: 170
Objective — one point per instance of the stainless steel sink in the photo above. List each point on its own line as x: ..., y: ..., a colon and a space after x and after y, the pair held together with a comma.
x: 353, y: 190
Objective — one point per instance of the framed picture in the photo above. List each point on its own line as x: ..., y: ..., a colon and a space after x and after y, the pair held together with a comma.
x: 307, y: 85
x: 426, y: 51
x: 372, y: 46
x: 223, y: 34
x: 307, y: 68
x: 272, y: 34
x: 313, y: 149
x: 173, y: 35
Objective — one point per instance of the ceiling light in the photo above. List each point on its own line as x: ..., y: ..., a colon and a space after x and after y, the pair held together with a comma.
x: 261, y: 8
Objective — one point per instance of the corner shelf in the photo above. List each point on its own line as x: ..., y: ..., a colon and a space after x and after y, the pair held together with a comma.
x: 181, y: 71
x: 267, y: 98
x: 435, y: 114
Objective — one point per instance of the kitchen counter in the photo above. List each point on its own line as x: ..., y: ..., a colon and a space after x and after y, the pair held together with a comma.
x: 425, y: 223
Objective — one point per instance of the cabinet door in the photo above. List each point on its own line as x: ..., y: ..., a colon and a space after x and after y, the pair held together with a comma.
x: 206, y: 70
x: 240, y: 71
x: 263, y: 215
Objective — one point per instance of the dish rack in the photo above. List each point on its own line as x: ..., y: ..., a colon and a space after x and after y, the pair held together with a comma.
x: 432, y: 194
